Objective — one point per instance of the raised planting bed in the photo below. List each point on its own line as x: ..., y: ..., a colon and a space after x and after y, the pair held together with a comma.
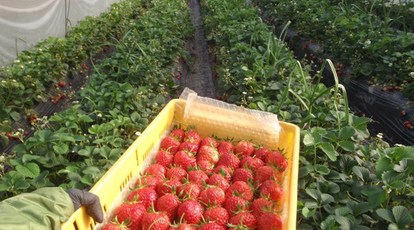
x: 127, y: 89
x: 346, y: 177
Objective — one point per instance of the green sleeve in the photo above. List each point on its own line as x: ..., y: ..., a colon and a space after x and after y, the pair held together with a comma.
x: 43, y: 209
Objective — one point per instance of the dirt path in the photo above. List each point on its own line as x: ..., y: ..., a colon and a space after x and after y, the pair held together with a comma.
x: 199, y: 75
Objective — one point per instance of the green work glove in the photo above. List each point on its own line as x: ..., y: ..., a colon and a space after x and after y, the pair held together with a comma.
x: 87, y: 199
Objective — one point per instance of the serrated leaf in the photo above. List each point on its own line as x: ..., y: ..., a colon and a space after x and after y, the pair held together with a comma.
x: 400, y: 153
x: 308, y: 140
x: 21, y: 185
x: 346, y: 132
x: 347, y: 146
x: 329, y: 150
x: 315, y: 194
x: 402, y: 216
x: 92, y: 170
x: 382, y: 165
x: 61, y: 149
x: 342, y: 211
x: 27, y: 157
x: 306, y: 212
x: 345, y: 223
x: 386, y: 215
x: 326, y: 199
x: 15, y: 115
x: 390, y: 177
x: 376, y: 195
x: 361, y: 172
x: 85, y: 118
x: 31, y: 170
x: 322, y: 169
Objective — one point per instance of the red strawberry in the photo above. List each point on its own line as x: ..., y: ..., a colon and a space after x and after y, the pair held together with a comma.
x: 192, y: 136
x: 224, y: 171
x: 147, y: 196
x: 217, y: 214
x: 229, y: 160
x: 242, y: 174
x: 147, y: 181
x: 272, y: 190
x: 242, y: 189
x: 189, y: 147
x: 252, y: 163
x: 205, y: 166
x: 219, y: 180
x: 184, y: 159
x: 208, y: 153
x: 278, y: 160
x: 209, y: 141
x: 156, y: 170
x: 243, y: 219
x: 225, y: 147
x: 134, y: 211
x: 244, y: 148
x: 155, y: 221
x: 197, y: 176
x: 115, y: 226
x: 84, y: 66
x: 269, y: 221
x: 211, y: 226
x: 170, y: 144
x: 260, y: 205
x: 234, y: 203
x: 169, y: 204
x: 178, y: 134
x: 189, y: 189
x: 176, y: 172
x: 164, y: 158
x: 166, y: 186
x: 265, y: 173
x: 212, y: 196
x: 182, y: 227
x: 192, y: 211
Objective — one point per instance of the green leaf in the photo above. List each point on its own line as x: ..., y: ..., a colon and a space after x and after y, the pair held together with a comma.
x: 308, y: 140
x: 329, y: 150
x: 21, y: 185
x: 342, y: 211
x: 306, y: 212
x: 15, y: 115
x: 376, y: 195
x: 400, y: 153
x: 85, y: 118
x: 61, y: 149
x: 382, y: 165
x: 360, y: 208
x: 261, y: 106
x: 362, y: 173
x: 328, y: 187
x: 56, y: 118
x: 31, y: 170
x: 402, y: 216
x: 326, y: 199
x: 27, y: 157
x: 92, y: 170
x: 315, y: 194
x: 135, y: 117
x: 44, y: 135
x: 346, y: 224
x: 346, y: 132
x: 348, y: 146
x: 322, y: 169
x: 386, y: 215
x: 390, y: 177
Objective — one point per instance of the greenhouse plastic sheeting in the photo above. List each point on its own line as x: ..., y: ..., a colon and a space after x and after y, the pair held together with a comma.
x: 26, y: 22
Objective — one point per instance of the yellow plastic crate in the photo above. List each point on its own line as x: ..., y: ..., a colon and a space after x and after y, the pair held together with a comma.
x: 140, y: 154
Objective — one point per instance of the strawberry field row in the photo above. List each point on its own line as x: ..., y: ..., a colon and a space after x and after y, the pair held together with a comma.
x: 374, y: 38
x: 76, y: 147
x: 30, y: 78
x: 348, y: 180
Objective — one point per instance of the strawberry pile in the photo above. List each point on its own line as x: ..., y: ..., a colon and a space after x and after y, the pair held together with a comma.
x: 204, y: 184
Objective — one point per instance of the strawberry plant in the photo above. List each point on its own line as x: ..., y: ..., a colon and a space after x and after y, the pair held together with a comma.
x: 348, y: 180
x: 76, y: 147
x: 353, y: 35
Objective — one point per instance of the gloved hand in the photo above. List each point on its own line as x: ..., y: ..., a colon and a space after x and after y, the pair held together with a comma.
x: 87, y: 199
